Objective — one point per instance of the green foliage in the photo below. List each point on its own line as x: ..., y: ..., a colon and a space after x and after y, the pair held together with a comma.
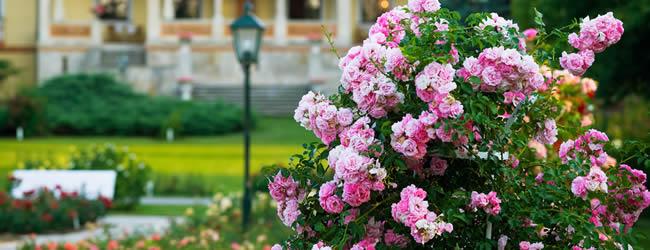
x: 488, y: 151
x: 6, y: 70
x: 42, y: 211
x: 629, y: 119
x: 99, y: 105
x: 132, y: 173
x: 630, y: 76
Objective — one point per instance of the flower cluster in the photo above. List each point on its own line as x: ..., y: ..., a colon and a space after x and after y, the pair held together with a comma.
x: 596, y: 180
x: 435, y: 80
x: 525, y: 245
x: 393, y: 239
x: 388, y: 29
x: 287, y: 193
x: 490, y: 203
x: 628, y: 202
x: 594, y: 37
x: 424, y: 5
x: 502, y: 69
x: 436, y: 167
x: 316, y: 113
x: 499, y: 24
x: 359, y: 136
x: 413, y: 211
x: 320, y: 246
x: 589, y: 146
x: 374, y: 92
x: 410, y: 136
x: 576, y: 95
x: 548, y: 132
x: 577, y: 63
x: 597, y: 34
x: 328, y: 200
x: 359, y: 175
x: 408, y: 117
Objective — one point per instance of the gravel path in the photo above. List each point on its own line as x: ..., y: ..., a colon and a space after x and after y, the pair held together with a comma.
x: 187, y: 201
x: 119, y: 225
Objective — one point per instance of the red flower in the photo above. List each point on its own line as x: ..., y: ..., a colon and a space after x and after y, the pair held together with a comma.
x: 106, y: 201
x: 46, y: 217
x: 72, y: 214
x: 29, y: 193
x: 155, y: 237
x: 112, y: 245
x: 54, y: 205
x: 69, y: 246
x: 16, y: 204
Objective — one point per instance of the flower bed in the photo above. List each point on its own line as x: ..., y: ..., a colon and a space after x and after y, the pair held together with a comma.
x: 48, y: 211
x: 132, y: 173
x: 426, y: 144
x: 219, y: 227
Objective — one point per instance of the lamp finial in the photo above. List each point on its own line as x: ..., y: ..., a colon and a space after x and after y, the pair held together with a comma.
x: 248, y: 7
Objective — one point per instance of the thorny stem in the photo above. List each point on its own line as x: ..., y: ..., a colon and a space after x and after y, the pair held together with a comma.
x: 328, y: 36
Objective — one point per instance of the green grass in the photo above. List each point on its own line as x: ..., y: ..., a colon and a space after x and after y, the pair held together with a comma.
x: 217, y: 157
x: 161, y: 210
x: 273, y: 141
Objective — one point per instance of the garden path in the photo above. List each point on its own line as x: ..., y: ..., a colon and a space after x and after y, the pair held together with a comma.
x: 120, y: 224
x: 187, y: 201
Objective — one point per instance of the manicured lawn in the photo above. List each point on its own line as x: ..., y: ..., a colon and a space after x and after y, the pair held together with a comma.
x: 221, y: 157
x: 273, y: 141
x: 162, y: 210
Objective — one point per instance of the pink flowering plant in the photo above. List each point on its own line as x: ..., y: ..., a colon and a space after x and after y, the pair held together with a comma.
x: 427, y: 142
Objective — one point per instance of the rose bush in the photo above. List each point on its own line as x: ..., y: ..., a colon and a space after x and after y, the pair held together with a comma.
x: 426, y: 143
x: 46, y: 210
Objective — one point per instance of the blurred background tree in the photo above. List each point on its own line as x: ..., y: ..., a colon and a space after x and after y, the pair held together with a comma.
x: 6, y: 70
x: 623, y: 68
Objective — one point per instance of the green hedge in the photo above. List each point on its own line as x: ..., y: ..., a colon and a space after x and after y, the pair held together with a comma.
x: 99, y: 105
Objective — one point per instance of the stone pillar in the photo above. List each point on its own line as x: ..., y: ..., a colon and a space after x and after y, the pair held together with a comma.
x: 168, y: 10
x: 44, y: 21
x: 153, y: 20
x: 280, y: 24
x: 184, y: 71
x: 343, y: 29
x: 217, y: 20
x: 96, y: 30
x: 59, y: 12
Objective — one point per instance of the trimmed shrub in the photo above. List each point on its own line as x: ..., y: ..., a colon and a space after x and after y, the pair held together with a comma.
x: 132, y: 173
x: 85, y: 104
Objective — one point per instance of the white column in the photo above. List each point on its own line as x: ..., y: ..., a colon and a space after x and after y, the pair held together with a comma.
x: 96, y: 30
x: 43, y: 21
x: 280, y: 24
x: 343, y: 29
x: 153, y: 19
x: 217, y: 20
x: 59, y: 12
x: 168, y: 10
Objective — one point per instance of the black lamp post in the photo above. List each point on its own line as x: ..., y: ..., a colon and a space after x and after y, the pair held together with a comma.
x: 247, y: 36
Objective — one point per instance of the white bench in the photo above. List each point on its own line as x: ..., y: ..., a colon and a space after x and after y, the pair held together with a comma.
x: 90, y: 183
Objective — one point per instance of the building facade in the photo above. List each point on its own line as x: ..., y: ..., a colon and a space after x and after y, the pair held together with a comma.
x: 139, y: 40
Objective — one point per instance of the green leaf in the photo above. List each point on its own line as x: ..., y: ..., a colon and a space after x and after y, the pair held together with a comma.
x: 539, y: 18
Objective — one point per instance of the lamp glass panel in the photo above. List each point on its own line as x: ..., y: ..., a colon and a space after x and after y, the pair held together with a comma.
x: 247, y: 41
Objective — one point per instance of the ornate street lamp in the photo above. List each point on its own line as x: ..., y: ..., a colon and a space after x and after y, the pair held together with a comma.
x: 247, y: 33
